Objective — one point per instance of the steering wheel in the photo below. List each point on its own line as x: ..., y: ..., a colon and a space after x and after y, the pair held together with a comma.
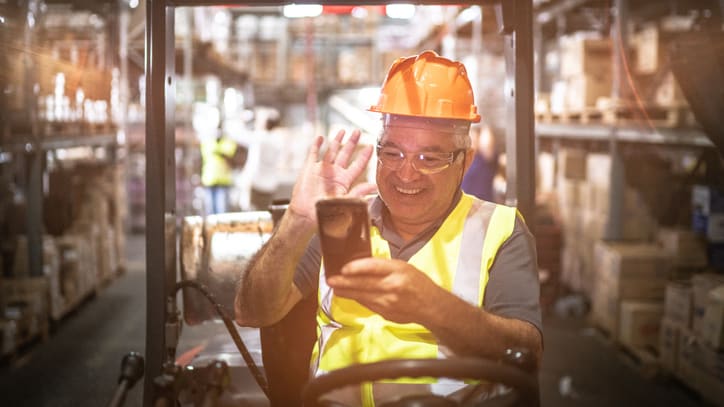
x: 524, y: 385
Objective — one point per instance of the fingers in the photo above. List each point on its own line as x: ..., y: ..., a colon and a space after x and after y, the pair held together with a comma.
x: 333, y: 147
x: 362, y: 190
x: 313, y: 153
x: 345, y: 153
x: 360, y: 162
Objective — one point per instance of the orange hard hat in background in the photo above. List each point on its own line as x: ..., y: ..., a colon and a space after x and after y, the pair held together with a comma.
x: 428, y: 85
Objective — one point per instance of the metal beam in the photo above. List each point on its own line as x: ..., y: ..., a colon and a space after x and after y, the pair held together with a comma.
x: 160, y: 186
x: 520, y: 135
x: 550, y: 13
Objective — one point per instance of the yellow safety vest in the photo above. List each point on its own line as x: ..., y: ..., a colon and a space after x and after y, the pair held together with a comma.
x: 215, y: 169
x: 457, y: 258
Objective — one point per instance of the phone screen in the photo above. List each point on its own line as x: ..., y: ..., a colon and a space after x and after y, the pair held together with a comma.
x: 344, y: 232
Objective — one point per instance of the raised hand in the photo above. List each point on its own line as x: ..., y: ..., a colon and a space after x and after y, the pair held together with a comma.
x: 330, y: 175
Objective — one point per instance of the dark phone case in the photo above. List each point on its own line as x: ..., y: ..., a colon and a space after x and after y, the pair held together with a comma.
x: 344, y: 232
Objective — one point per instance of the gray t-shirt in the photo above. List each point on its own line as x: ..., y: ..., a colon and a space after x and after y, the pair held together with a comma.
x: 512, y: 291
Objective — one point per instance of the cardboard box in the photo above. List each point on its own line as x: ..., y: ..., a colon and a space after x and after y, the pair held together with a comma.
x: 605, y: 308
x: 635, y: 271
x: 669, y: 333
x: 689, y: 249
x: 678, y: 303
x: 713, y: 319
x: 585, y: 56
x: 702, y: 284
x: 572, y: 163
x: 598, y: 169
x: 646, y: 44
x: 685, y: 366
x: 639, y: 323
x: 583, y: 91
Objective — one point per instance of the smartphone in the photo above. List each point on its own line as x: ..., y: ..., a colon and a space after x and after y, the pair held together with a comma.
x: 344, y: 232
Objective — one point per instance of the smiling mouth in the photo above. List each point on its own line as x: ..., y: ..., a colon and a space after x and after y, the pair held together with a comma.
x: 408, y: 191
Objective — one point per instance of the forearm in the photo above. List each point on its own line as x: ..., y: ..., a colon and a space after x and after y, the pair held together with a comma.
x: 475, y: 332
x: 266, y: 290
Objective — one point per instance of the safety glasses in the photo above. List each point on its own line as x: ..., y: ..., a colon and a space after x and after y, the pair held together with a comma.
x: 423, y: 162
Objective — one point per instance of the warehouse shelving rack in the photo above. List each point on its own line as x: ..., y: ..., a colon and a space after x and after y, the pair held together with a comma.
x: 31, y: 140
x: 615, y: 16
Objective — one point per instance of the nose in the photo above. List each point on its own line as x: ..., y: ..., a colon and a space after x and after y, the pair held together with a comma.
x: 407, y: 172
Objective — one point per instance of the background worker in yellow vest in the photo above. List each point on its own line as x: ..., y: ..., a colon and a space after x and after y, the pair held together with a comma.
x: 450, y: 274
x: 217, y: 161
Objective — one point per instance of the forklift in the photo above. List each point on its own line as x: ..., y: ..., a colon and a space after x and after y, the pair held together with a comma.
x: 232, y: 376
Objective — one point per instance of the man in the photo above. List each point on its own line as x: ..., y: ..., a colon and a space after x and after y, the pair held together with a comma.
x: 450, y: 274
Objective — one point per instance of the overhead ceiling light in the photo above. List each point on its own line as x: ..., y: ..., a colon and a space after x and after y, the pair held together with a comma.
x: 401, y: 11
x: 302, y: 10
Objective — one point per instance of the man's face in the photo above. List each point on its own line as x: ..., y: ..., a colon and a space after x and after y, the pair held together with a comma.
x: 413, y: 198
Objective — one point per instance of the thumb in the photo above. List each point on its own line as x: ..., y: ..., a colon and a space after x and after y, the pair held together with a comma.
x: 362, y: 189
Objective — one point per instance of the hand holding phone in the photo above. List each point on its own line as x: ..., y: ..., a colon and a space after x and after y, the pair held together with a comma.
x: 344, y: 232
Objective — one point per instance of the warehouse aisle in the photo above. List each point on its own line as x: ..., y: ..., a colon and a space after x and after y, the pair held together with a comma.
x: 80, y: 363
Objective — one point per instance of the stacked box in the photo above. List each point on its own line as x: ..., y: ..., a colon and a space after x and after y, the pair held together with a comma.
x: 701, y: 367
x: 25, y: 301
x: 669, y: 336
x: 571, y: 172
x: 626, y: 271
x: 688, y: 248
x: 586, y: 70
x: 639, y: 323
x: 646, y: 45
x: 713, y: 319
x: 8, y: 336
x: 678, y: 303
x: 583, y: 91
x: 702, y: 284
x: 354, y: 65
x: 585, y: 56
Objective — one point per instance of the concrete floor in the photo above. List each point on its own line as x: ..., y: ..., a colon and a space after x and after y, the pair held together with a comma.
x: 80, y: 363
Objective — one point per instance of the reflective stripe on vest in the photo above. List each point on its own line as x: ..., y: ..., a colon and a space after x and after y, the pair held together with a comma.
x: 457, y: 258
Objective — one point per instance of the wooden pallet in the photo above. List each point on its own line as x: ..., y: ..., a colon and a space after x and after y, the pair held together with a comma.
x: 641, y: 359
x: 670, y: 117
x: 586, y: 116
x: 56, y: 129
x: 673, y: 116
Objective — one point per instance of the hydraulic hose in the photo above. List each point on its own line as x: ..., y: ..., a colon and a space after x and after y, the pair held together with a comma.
x: 255, y: 371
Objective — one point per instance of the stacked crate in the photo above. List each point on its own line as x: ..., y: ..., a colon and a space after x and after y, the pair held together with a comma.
x: 585, y: 73
x: 24, y: 305
x: 630, y: 281
x: 584, y: 198
x: 691, y: 338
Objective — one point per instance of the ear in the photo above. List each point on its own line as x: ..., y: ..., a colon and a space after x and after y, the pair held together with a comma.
x: 469, y: 155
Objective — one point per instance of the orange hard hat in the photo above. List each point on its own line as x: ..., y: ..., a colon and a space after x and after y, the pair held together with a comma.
x: 428, y: 85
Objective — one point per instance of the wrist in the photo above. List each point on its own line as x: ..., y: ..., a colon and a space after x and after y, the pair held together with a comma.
x: 297, y: 224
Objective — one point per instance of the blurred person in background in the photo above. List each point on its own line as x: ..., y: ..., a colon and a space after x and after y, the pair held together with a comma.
x: 219, y: 156
x: 478, y: 179
x: 267, y: 155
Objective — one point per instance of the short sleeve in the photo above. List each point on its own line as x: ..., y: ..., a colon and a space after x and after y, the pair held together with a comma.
x: 513, y: 289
